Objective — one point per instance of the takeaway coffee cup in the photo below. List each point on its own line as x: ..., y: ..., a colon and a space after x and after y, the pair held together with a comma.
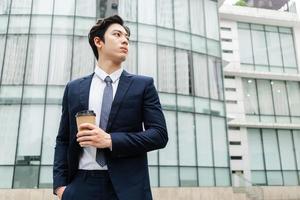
x: 85, y: 116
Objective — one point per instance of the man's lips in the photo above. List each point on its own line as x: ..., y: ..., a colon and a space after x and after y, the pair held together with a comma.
x: 124, y: 49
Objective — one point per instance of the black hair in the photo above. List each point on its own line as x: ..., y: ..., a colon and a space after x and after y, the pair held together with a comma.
x: 99, y: 29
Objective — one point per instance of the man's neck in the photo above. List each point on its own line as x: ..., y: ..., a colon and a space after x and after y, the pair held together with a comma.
x: 108, y: 66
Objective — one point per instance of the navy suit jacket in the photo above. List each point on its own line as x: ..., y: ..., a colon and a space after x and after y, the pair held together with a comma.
x: 136, y: 104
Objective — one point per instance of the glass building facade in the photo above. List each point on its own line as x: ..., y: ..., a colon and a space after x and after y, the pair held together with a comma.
x: 43, y: 45
x: 274, y: 153
x: 267, y: 48
x: 275, y: 156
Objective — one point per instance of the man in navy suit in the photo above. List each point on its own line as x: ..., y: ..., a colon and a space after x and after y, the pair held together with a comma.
x: 108, y: 160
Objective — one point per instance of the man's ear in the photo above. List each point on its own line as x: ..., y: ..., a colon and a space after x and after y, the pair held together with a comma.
x: 98, y: 42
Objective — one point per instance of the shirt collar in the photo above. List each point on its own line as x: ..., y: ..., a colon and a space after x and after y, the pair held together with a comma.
x: 102, y: 74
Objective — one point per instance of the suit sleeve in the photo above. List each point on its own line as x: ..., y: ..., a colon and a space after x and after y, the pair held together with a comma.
x: 60, y: 167
x: 155, y: 135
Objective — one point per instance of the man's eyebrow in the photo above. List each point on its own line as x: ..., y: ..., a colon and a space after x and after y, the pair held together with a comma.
x: 120, y: 32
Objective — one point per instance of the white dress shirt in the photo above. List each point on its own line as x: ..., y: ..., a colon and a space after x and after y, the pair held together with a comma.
x: 87, y: 160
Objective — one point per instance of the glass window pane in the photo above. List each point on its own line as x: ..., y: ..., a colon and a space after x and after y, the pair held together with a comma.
x: 37, y: 59
x: 182, y: 40
x: 294, y: 97
x: 26, y: 177
x: 153, y: 173
x: 274, y: 178
x: 204, y: 142
x: 165, y: 36
x: 18, y: 24
x: 14, y: 68
x: 42, y: 7
x: 63, y: 25
x: 4, y: 6
x: 66, y: 7
x: 212, y: 19
x: 198, y: 44
x: 146, y: 33
x: 274, y: 51
x: 185, y: 103
x: 9, y: 118
x: 219, y: 142
x: 60, y: 60
x: 245, y: 46
x: 255, y: 149
x: 215, y: 78
x: 2, y: 43
x: 222, y: 177
x: 169, y: 176
x: 197, y: 17
x: 290, y: 178
x: 164, y: 13
x: 55, y: 94
x: 34, y: 94
x: 166, y: 69
x: 147, y: 60
x: 52, y: 116
x: 213, y: 48
x: 10, y: 94
x: 288, y: 50
x: 206, y: 177
x: 202, y: 105
x: 146, y: 11
x: 152, y: 157
x: 259, y: 47
x: 280, y: 98
x: 265, y: 97
x: 286, y: 150
x: 6, y: 176
x: 188, y: 177
x: 83, y: 26
x: 271, y: 149
x: 186, y: 139
x: 41, y: 25
x: 86, y: 8
x: 200, y: 75
x: 20, y: 6
x: 182, y: 69
x: 169, y: 155
x: 168, y: 101
x: 258, y: 177
x: 250, y: 96
x: 3, y: 22
x: 83, y: 58
x: 30, y: 136
x: 127, y: 10
x: 296, y: 136
x: 181, y: 15
x: 46, y: 177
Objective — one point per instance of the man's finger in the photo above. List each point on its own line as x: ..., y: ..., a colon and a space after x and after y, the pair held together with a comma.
x: 85, y: 133
x: 87, y: 126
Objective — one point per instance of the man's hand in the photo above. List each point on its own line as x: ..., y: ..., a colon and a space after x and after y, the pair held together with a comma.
x: 60, y: 191
x: 91, y: 135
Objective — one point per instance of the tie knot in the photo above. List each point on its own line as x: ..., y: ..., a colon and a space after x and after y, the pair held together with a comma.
x: 107, y: 80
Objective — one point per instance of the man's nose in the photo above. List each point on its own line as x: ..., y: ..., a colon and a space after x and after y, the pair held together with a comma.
x: 124, y: 40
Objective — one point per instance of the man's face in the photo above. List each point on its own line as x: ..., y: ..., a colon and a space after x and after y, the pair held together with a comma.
x: 116, y: 43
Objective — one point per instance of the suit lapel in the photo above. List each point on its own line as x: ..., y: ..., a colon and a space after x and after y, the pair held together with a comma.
x: 85, y: 85
x: 124, y: 83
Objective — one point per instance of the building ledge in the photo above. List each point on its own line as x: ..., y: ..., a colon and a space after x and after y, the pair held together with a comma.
x: 262, y: 75
x: 244, y: 124
x: 259, y: 15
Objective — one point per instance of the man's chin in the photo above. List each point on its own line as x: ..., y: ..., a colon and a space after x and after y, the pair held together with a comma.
x: 123, y: 58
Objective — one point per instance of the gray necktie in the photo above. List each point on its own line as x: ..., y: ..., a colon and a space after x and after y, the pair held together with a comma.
x: 105, y: 110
